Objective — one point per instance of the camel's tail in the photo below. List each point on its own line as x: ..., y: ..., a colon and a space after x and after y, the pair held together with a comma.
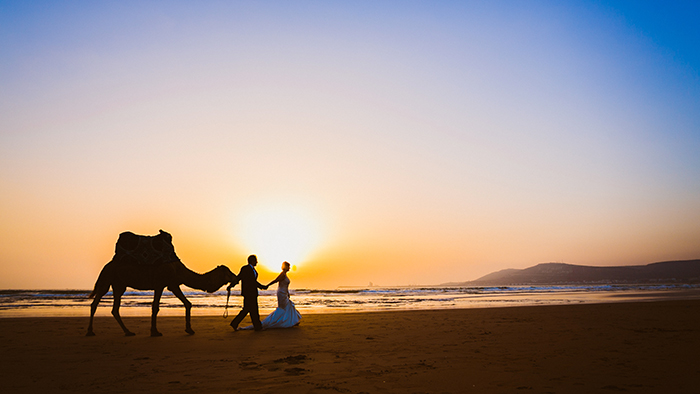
x: 102, y: 280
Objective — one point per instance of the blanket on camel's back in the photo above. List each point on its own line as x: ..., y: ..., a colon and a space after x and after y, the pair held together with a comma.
x: 144, y: 249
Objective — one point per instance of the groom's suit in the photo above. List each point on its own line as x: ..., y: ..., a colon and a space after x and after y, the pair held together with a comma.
x: 249, y: 290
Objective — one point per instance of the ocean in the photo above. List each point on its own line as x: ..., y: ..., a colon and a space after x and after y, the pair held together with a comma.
x: 49, y: 303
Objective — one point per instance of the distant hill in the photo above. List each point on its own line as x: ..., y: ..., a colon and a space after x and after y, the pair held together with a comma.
x: 687, y: 271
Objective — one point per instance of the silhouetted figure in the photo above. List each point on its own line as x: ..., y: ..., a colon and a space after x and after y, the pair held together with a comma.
x: 150, y: 263
x: 286, y: 315
x: 249, y: 290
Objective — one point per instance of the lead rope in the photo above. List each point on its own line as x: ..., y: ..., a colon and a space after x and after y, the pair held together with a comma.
x: 227, y: 297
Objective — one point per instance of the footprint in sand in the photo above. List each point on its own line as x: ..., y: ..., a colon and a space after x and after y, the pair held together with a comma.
x: 295, y: 371
x: 293, y: 359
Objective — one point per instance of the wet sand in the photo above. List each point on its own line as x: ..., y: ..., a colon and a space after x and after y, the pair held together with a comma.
x: 639, y: 347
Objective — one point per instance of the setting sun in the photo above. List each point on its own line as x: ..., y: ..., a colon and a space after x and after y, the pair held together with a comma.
x: 277, y: 234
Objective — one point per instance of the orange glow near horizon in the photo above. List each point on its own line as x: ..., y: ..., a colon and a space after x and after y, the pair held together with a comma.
x: 277, y: 233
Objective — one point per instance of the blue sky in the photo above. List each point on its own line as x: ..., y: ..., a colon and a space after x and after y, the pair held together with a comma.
x: 385, y: 136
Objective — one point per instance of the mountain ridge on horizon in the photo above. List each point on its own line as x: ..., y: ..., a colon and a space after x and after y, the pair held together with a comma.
x: 677, y: 271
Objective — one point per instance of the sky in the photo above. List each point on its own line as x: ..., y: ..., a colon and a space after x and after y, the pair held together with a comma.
x: 391, y: 142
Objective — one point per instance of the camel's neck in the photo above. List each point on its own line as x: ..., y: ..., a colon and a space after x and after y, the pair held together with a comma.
x: 205, y: 282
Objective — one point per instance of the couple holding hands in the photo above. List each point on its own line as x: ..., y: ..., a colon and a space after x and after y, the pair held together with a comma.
x: 284, y: 316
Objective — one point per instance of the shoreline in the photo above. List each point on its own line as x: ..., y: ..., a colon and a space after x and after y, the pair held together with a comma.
x: 141, y: 306
x: 638, y: 347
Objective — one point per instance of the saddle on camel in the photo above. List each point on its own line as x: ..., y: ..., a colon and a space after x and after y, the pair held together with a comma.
x: 149, y: 263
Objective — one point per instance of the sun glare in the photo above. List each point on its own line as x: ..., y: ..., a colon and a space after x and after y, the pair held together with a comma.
x: 277, y: 234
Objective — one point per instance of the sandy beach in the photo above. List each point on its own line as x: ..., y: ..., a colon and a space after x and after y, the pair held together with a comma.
x: 640, y: 347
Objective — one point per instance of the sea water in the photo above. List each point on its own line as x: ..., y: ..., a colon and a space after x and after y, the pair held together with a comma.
x: 38, y: 303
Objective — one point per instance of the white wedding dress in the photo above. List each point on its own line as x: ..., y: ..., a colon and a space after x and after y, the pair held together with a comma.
x: 286, y: 315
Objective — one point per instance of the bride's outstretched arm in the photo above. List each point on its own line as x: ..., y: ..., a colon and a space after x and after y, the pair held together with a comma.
x: 277, y: 279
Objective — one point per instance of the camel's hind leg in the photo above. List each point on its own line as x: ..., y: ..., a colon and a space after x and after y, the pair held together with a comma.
x: 188, y: 305
x: 99, y: 293
x: 117, y: 292
x: 154, y: 312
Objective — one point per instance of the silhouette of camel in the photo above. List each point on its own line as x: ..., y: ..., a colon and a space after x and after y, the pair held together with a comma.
x: 150, y: 263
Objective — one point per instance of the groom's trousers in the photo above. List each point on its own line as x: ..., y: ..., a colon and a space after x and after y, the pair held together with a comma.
x: 250, y: 305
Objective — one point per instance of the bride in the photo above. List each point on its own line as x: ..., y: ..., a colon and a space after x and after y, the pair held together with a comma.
x: 286, y: 314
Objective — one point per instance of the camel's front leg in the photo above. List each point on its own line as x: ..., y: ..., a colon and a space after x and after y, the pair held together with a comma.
x: 188, y: 305
x: 154, y: 312
x: 99, y: 293
x: 117, y: 293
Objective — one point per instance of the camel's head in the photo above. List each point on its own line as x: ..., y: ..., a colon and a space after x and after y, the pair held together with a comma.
x: 222, y: 275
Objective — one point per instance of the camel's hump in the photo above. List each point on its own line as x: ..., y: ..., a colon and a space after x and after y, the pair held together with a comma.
x: 145, y: 249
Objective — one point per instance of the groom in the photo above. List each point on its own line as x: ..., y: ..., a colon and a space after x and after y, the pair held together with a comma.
x: 249, y: 290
